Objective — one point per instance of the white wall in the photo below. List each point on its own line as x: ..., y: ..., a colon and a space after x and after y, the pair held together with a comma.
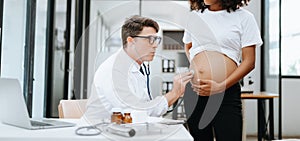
x: 290, y: 104
x: 290, y: 107
x: 13, y: 38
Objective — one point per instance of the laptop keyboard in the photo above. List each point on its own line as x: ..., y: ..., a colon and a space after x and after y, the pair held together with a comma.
x: 37, y: 123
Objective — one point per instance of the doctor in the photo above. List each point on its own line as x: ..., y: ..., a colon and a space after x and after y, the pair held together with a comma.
x: 119, y: 83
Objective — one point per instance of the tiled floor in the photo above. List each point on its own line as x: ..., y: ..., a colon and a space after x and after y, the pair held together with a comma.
x: 252, y: 138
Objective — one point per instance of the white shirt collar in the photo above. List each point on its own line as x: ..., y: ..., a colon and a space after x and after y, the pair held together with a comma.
x: 135, y: 67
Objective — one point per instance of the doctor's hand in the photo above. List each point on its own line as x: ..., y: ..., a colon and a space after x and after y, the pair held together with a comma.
x: 207, y: 87
x: 179, y: 82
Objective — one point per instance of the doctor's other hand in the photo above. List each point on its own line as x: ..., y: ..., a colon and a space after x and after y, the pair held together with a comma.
x: 179, y: 82
x: 207, y: 87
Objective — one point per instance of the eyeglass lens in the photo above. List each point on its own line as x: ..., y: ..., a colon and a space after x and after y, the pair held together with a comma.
x: 152, y: 39
x: 155, y: 40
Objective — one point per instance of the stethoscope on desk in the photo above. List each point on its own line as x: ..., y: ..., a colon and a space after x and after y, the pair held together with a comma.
x: 147, y: 72
x: 119, y: 129
x: 92, y: 130
x: 112, y: 128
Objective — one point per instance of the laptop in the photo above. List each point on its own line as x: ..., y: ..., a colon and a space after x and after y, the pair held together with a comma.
x: 14, y: 111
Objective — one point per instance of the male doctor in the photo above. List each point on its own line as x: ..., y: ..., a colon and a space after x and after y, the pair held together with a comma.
x: 119, y: 83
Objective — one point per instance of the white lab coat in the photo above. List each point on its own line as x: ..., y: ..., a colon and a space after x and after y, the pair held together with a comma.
x: 119, y: 84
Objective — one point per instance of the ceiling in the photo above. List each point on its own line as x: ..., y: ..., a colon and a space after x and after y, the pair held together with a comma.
x: 114, y: 12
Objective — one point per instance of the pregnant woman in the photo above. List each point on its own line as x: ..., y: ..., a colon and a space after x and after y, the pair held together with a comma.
x: 219, y: 61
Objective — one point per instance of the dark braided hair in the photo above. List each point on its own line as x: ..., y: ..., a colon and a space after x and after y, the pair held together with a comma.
x: 229, y: 5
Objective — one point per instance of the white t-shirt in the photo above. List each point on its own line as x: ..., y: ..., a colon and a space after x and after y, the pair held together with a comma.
x: 118, y: 83
x: 221, y: 31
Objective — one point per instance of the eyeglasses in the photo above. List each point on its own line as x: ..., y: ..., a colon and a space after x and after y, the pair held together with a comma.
x: 152, y: 39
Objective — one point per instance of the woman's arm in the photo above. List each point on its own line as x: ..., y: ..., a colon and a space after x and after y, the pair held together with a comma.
x: 247, y: 65
x: 187, y: 48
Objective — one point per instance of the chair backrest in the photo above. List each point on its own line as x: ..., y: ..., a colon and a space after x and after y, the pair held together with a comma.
x: 72, y: 108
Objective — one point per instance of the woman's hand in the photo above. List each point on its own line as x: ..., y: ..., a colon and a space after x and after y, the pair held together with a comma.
x: 208, y: 87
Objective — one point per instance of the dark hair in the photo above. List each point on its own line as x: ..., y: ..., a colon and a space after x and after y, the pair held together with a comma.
x: 229, y: 5
x: 134, y: 25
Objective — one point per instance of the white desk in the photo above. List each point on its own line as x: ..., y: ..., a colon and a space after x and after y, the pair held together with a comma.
x: 11, y: 133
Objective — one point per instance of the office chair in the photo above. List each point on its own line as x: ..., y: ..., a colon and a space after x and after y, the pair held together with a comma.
x: 72, y: 108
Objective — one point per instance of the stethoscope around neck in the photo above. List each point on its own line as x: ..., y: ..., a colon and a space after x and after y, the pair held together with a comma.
x: 147, y: 73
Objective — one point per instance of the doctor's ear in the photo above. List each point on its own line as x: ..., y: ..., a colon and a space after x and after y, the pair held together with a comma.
x: 130, y: 40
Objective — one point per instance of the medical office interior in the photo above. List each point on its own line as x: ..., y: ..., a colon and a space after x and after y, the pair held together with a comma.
x: 53, y: 48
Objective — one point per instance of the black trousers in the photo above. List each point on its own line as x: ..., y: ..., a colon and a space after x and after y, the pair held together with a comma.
x: 227, y: 123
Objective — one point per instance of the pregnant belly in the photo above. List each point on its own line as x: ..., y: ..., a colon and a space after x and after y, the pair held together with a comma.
x: 212, y: 65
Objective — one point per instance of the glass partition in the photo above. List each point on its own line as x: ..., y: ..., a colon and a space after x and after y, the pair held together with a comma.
x: 290, y: 37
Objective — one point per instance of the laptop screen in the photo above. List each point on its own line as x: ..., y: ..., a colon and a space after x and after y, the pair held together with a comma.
x: 14, y: 110
x: 13, y: 104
